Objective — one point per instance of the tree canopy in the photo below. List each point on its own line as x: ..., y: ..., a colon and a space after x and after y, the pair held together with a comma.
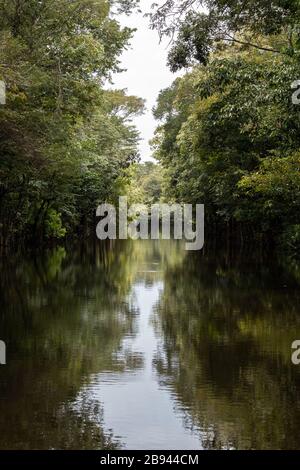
x: 65, y: 138
x: 228, y: 133
x: 200, y: 27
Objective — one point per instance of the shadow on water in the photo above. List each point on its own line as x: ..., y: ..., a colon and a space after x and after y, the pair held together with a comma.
x: 143, y: 345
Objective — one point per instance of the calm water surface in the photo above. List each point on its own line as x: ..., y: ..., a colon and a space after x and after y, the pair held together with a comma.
x: 142, y: 345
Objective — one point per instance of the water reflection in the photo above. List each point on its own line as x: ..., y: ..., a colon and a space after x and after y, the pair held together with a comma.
x: 139, y: 410
x: 227, y: 332
x: 143, y: 345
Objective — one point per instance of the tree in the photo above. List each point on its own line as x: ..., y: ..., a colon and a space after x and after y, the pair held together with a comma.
x: 143, y: 183
x: 200, y: 27
x: 226, y: 128
x: 64, y: 138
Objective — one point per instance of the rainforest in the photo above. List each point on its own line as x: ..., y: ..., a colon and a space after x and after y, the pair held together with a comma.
x: 141, y: 344
x: 227, y: 133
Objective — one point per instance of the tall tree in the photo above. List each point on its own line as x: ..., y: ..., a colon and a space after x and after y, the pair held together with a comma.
x: 64, y: 139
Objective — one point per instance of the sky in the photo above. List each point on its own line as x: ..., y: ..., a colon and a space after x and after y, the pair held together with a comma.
x: 147, y: 72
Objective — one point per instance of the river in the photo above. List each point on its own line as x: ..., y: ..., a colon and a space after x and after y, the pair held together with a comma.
x: 143, y: 345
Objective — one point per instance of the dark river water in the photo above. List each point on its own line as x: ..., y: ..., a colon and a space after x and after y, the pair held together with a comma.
x: 143, y: 345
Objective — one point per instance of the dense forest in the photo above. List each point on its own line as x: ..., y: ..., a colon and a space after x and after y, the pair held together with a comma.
x: 65, y: 136
x: 228, y: 133
x: 143, y: 344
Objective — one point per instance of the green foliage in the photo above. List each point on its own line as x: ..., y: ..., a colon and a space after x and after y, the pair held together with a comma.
x: 53, y: 225
x: 64, y: 139
x: 144, y: 183
x: 229, y: 133
x: 204, y: 26
x: 229, y: 138
x: 274, y: 190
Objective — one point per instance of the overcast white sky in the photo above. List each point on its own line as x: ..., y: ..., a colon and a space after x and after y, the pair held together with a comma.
x: 147, y: 72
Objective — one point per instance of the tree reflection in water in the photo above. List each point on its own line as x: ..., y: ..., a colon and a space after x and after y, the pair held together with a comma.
x: 223, y: 330
x: 228, y: 328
